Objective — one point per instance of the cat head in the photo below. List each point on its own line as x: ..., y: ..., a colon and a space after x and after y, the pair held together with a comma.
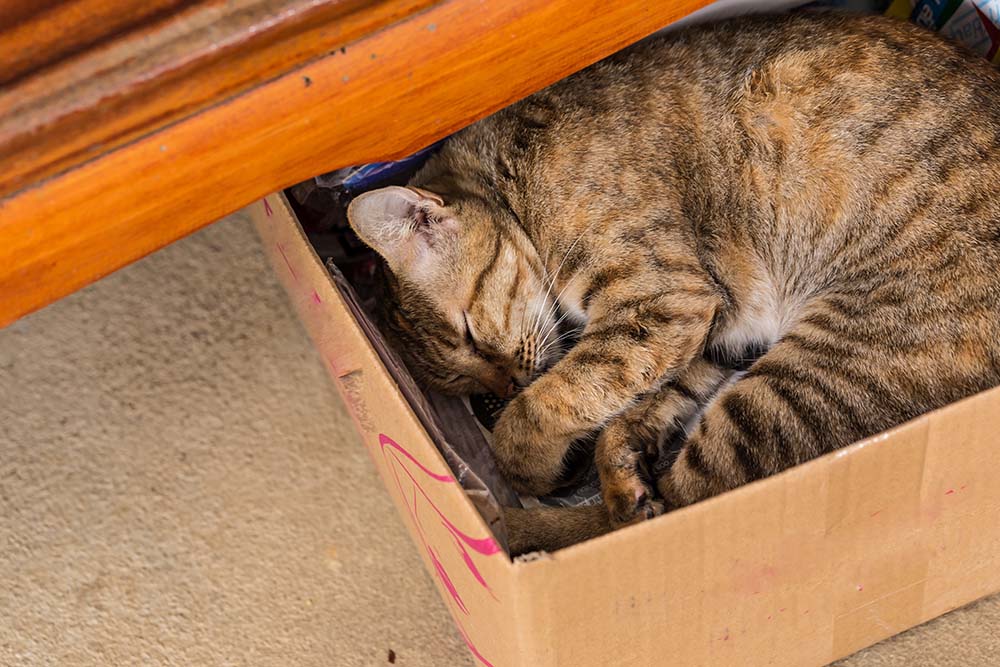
x: 467, y: 303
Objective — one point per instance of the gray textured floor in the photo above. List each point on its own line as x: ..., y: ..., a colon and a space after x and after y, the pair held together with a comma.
x: 180, y: 485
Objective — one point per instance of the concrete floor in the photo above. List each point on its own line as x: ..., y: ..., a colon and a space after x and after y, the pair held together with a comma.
x: 180, y: 485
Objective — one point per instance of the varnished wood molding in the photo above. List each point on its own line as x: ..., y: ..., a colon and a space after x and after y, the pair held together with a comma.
x: 86, y: 76
x: 391, y: 91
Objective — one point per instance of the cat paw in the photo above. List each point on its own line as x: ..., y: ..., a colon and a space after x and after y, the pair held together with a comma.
x: 629, y: 500
x: 527, y: 457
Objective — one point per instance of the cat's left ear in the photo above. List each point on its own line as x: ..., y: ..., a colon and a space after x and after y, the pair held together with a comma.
x: 407, y: 226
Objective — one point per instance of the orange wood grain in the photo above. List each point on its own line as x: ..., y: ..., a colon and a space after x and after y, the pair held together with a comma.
x: 390, y: 93
x: 53, y: 33
x: 15, y: 11
x: 143, y: 79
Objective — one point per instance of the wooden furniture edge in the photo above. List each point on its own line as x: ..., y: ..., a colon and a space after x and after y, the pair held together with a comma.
x: 384, y: 96
x: 161, y: 67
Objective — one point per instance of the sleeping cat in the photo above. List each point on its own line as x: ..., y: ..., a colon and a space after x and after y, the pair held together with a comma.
x: 810, y: 199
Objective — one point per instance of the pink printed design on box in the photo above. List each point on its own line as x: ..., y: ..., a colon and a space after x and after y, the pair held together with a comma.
x: 291, y: 269
x: 399, y: 461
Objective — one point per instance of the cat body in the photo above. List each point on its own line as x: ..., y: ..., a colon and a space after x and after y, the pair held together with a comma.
x: 782, y: 232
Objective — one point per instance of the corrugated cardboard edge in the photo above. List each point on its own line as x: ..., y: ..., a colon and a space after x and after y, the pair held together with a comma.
x: 799, y: 569
x: 472, y: 573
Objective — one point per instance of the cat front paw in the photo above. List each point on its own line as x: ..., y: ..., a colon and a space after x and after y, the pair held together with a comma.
x: 630, y: 501
x: 628, y: 494
x: 528, y: 457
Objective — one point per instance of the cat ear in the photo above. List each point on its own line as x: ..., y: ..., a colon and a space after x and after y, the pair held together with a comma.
x: 404, y: 225
x: 427, y: 195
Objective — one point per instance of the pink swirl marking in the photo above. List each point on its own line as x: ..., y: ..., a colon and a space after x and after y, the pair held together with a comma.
x: 397, y: 459
x: 291, y: 269
x: 391, y: 454
x: 486, y: 546
x: 385, y: 441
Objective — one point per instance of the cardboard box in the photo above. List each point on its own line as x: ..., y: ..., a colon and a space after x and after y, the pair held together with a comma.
x: 798, y: 569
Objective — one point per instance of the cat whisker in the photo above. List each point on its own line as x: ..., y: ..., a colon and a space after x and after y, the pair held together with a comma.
x: 543, y: 307
x: 553, y: 344
x: 568, y: 335
x: 554, y: 326
x: 555, y: 274
x: 551, y: 281
x: 536, y: 332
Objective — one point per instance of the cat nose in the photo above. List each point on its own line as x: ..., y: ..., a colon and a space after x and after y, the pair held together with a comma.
x: 502, y: 386
x: 508, y: 391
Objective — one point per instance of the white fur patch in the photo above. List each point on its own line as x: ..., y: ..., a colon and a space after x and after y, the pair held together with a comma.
x: 764, y: 318
x: 571, y: 302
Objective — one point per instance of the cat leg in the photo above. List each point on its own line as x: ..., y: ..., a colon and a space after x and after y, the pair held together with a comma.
x: 644, y: 329
x: 634, y: 436
x: 800, y: 400
x: 552, y: 528
x: 629, y: 440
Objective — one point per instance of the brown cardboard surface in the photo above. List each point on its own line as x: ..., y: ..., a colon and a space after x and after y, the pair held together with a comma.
x: 470, y: 570
x: 961, y: 503
x: 799, y: 569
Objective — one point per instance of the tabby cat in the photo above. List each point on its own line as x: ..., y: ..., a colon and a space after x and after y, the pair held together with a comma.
x: 774, y: 235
